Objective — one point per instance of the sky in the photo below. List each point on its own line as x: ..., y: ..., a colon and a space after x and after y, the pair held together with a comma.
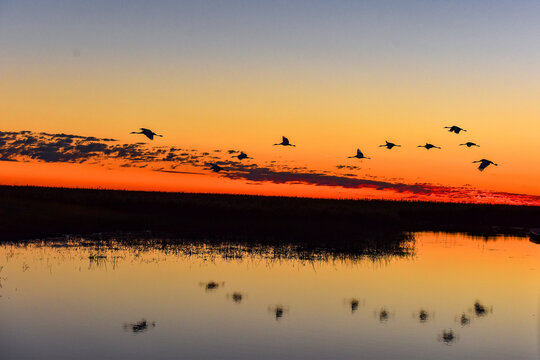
x: 332, y: 76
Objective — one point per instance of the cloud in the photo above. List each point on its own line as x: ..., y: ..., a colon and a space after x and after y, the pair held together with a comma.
x: 30, y: 146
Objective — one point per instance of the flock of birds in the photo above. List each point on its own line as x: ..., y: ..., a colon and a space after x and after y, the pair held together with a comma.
x: 484, y: 163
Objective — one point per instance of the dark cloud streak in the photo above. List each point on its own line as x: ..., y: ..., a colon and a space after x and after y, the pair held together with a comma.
x: 64, y: 148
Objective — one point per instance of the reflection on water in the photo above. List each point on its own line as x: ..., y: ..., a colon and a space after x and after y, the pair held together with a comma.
x: 278, y: 311
x: 355, y: 304
x: 212, y: 285
x: 464, y: 320
x: 65, y: 300
x: 480, y: 310
x: 423, y: 316
x: 237, y: 297
x: 140, y: 326
x: 448, y: 336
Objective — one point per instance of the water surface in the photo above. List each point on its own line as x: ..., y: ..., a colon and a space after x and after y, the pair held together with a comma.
x: 446, y: 296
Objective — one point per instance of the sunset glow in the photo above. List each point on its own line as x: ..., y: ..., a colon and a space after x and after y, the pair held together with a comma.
x: 331, y: 76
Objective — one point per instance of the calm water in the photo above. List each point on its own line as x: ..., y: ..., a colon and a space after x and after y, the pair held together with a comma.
x: 452, y: 296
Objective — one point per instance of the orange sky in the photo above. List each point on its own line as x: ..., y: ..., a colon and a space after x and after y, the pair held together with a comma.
x: 210, y: 87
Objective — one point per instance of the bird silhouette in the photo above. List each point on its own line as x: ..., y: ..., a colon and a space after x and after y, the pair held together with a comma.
x: 147, y: 132
x: 285, y: 142
x: 454, y: 129
x: 389, y: 145
x: 429, y: 146
x: 484, y: 163
x: 469, y: 144
x: 359, y: 155
x: 242, y: 156
x: 216, y: 167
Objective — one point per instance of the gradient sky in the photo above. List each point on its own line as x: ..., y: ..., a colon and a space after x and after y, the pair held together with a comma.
x: 332, y: 76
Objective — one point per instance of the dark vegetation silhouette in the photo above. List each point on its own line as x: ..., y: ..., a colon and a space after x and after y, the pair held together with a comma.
x: 147, y: 132
x: 534, y: 235
x: 37, y: 212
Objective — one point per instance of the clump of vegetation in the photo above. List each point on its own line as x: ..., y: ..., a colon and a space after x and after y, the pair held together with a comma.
x: 330, y: 223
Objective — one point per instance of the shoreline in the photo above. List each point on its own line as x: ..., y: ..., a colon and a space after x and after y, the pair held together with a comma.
x: 36, y: 212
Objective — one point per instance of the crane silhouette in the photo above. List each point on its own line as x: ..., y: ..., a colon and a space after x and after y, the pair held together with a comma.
x: 216, y: 167
x: 147, y: 132
x: 484, y: 163
x: 454, y: 129
x: 242, y: 156
x: 429, y: 146
x: 469, y: 144
x: 389, y: 145
x: 359, y: 155
x: 285, y: 142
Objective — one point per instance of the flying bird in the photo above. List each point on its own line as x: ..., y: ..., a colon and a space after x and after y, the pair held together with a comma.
x: 147, y: 132
x: 285, y: 142
x: 359, y: 155
x: 484, y: 163
x: 454, y: 129
x: 216, y: 167
x: 242, y: 156
x: 469, y: 144
x: 429, y: 146
x: 389, y: 145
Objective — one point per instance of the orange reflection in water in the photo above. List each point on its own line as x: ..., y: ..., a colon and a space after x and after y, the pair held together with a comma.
x: 79, y: 297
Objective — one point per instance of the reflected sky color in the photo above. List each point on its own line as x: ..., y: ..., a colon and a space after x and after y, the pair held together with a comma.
x: 94, y: 298
x: 333, y: 76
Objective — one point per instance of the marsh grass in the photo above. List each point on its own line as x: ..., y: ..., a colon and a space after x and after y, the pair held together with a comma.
x: 319, y: 222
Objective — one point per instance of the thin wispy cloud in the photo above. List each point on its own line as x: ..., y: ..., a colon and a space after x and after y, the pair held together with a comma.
x: 66, y: 148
